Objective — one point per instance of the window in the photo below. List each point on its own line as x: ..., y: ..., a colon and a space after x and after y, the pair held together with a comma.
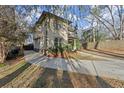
x: 57, y: 26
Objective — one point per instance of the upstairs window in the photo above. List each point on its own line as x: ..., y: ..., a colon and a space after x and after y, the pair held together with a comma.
x: 57, y: 26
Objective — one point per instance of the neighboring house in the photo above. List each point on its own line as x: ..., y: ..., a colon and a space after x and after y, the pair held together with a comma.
x: 93, y: 34
x: 87, y: 35
x: 51, y: 30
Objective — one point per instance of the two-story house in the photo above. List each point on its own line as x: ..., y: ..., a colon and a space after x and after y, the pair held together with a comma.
x: 51, y: 30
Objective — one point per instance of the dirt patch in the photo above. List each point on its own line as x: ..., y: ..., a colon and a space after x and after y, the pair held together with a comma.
x: 84, y: 57
x: 110, y: 51
x: 114, y: 82
x: 75, y: 55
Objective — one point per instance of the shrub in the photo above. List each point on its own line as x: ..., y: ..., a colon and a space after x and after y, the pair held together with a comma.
x: 2, y: 64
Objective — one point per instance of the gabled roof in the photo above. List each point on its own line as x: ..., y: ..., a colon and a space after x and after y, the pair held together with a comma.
x: 46, y: 14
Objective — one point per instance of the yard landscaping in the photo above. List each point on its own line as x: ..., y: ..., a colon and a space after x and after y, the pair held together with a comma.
x: 2, y: 65
x: 75, y: 55
x: 23, y: 74
x: 43, y: 77
x: 61, y: 46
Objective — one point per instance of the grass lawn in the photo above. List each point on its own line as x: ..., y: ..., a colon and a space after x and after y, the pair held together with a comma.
x: 2, y: 64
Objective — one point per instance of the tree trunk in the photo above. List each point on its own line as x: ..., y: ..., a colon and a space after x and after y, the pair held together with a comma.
x: 94, y: 39
x: 2, y: 52
x: 120, y: 13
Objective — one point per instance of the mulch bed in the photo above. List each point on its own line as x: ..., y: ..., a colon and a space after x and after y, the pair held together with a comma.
x: 59, y: 55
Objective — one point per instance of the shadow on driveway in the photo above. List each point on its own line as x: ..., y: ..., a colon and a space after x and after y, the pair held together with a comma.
x: 89, y: 78
x: 8, y: 78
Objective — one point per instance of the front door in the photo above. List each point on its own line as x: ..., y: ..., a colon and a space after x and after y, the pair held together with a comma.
x: 57, y: 42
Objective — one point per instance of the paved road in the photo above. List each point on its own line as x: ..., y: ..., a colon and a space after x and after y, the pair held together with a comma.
x: 112, y: 68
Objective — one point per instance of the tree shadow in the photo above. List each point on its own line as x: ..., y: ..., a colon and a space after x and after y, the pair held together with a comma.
x: 46, y: 78
x: 99, y: 82
x: 8, y: 78
x: 66, y: 80
x: 37, y: 59
x: 78, y: 75
x: 49, y: 79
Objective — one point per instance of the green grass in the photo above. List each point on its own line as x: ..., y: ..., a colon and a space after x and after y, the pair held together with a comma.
x: 2, y: 64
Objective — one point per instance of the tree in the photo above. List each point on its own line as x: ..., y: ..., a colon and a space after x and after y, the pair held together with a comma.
x: 10, y: 32
x: 7, y: 27
x: 99, y: 11
x: 121, y: 17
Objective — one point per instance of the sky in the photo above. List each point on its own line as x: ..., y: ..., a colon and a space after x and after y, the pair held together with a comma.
x: 72, y: 13
x: 78, y: 17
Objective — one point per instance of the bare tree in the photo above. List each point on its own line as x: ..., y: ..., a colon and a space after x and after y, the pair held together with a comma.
x: 110, y: 25
x: 11, y: 34
x: 121, y: 17
x: 7, y: 27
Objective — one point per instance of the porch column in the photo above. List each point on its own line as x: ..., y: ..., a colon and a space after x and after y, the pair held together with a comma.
x: 74, y: 47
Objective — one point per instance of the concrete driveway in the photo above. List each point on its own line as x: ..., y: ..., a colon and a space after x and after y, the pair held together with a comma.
x: 111, y: 67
